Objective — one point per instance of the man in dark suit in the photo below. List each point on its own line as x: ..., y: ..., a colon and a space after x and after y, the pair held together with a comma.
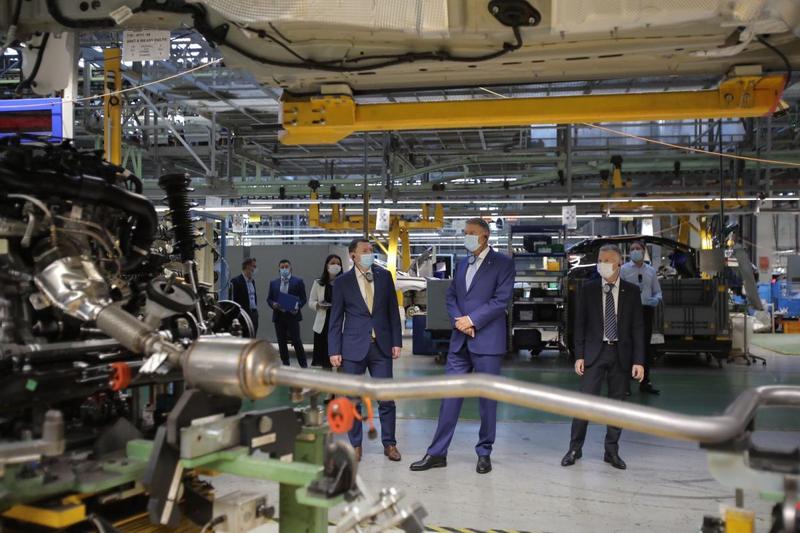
x: 287, y: 321
x: 365, y: 333
x: 477, y: 301
x: 243, y: 291
x: 609, y: 345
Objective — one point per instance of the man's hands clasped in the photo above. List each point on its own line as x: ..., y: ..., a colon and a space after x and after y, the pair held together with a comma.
x: 464, y: 325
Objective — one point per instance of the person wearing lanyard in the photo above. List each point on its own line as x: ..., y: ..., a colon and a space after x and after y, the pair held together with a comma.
x: 243, y: 291
x: 365, y: 333
x: 609, y: 346
x: 644, y: 276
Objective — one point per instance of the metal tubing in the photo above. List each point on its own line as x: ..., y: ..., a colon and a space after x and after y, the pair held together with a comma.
x: 704, y: 429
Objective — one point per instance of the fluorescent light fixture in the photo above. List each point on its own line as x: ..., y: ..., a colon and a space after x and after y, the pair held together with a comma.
x: 524, y: 201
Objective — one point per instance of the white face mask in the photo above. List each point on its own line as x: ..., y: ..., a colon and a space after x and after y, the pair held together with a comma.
x: 334, y: 269
x: 606, y: 270
x: 471, y: 242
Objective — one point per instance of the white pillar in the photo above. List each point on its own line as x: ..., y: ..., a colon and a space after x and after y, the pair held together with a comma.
x: 71, y: 90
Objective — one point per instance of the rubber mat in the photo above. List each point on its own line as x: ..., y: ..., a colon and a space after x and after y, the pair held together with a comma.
x: 782, y: 343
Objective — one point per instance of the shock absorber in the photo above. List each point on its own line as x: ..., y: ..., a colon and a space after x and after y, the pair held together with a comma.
x: 177, y: 188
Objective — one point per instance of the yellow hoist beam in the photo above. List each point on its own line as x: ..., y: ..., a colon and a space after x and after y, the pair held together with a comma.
x: 328, y: 119
x: 399, y: 229
x: 112, y: 105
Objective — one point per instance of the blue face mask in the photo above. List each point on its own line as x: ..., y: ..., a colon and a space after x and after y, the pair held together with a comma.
x: 637, y: 256
x: 366, y: 260
x: 285, y: 273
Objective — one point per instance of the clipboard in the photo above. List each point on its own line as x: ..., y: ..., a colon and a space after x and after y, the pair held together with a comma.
x: 288, y: 302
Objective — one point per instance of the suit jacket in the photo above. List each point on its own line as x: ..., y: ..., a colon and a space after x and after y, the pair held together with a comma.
x: 296, y: 288
x: 589, y: 324
x: 350, y: 325
x: 486, y: 303
x: 238, y: 293
x: 316, y: 296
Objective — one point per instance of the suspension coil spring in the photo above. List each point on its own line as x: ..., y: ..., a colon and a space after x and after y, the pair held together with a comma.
x: 177, y: 188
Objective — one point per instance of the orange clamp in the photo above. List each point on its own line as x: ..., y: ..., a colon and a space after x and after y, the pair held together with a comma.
x: 120, y: 376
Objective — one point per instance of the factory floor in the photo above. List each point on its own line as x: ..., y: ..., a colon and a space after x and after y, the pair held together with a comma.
x: 667, y: 486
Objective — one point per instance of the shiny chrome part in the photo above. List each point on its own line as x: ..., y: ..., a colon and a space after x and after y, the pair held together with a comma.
x: 74, y: 286
x: 135, y: 335
x: 385, y: 513
x: 230, y: 366
x: 51, y: 444
x: 705, y: 429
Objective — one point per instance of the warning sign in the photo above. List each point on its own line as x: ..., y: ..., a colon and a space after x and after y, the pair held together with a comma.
x: 569, y: 216
x: 382, y: 220
x: 145, y: 45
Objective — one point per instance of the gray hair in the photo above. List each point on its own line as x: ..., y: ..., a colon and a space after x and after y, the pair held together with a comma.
x: 611, y: 248
x: 477, y: 221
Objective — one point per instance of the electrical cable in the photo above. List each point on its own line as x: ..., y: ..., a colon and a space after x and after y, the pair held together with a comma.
x: 24, y: 84
x: 127, y: 90
x: 689, y: 148
x: 779, y: 54
x: 213, y: 522
x: 218, y: 34
x: 675, y: 146
x: 391, y: 60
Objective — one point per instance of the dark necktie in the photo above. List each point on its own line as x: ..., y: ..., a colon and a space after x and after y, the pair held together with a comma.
x: 610, y: 328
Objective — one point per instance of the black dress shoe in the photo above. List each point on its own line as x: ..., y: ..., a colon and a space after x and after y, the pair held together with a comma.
x: 648, y: 388
x: 571, y: 457
x: 428, y: 462
x: 615, y: 460
x: 484, y: 464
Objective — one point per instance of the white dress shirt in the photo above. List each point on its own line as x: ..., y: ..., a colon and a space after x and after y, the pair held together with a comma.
x: 615, y: 292
x: 251, y: 293
x: 472, y: 269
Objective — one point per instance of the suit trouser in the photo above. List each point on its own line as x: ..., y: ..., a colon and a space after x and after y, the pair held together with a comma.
x: 287, y: 327
x: 464, y: 362
x: 253, y: 314
x: 605, y: 368
x: 379, y: 366
x: 647, y: 316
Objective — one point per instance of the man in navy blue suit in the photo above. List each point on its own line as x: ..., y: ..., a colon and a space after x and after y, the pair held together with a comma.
x: 287, y: 321
x: 365, y: 334
x: 477, y: 300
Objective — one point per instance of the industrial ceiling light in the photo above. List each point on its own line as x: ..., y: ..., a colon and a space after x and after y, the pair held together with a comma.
x: 526, y: 201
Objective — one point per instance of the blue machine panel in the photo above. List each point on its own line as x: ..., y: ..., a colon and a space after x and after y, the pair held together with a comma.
x: 35, y: 116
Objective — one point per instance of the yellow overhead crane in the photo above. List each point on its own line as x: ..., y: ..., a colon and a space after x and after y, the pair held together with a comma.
x: 327, y: 119
x: 398, y: 229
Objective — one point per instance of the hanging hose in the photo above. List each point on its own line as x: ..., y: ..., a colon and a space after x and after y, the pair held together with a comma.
x: 177, y: 188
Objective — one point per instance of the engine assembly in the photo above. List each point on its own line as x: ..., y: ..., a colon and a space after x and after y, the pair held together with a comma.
x: 122, y: 377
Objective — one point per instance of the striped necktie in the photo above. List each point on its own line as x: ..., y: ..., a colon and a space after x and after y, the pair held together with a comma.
x: 610, y: 328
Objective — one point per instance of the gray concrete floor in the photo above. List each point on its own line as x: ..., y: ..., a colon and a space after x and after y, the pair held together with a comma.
x: 666, y: 488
